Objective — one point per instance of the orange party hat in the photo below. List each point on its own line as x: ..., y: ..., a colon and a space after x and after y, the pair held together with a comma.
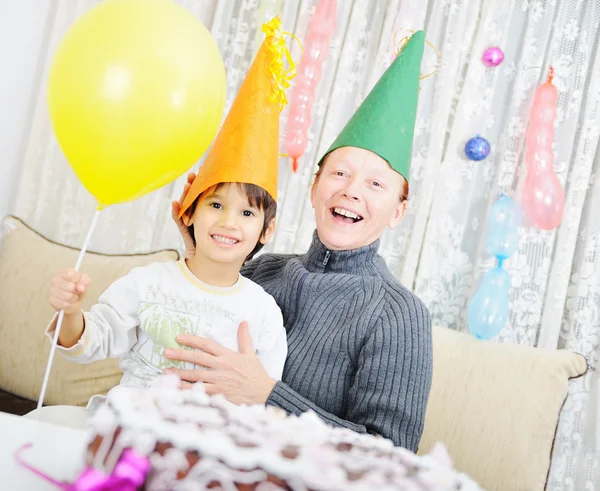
x: 247, y: 146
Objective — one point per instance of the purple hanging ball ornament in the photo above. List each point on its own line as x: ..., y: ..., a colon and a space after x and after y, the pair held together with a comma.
x: 477, y: 148
x: 492, y: 56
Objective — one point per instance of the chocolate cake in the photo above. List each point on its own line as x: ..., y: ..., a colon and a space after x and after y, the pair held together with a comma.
x: 196, y: 442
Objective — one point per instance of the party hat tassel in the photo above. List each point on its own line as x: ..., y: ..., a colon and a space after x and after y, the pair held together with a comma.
x: 280, y: 53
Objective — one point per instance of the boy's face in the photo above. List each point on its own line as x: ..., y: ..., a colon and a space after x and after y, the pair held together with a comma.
x: 226, y: 227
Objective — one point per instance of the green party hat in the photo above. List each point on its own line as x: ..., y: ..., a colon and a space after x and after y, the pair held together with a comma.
x: 385, y: 121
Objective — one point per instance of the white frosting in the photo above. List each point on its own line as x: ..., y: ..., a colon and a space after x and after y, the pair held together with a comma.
x: 240, y: 444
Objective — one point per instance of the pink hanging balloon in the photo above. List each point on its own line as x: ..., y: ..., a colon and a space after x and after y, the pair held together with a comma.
x: 316, y: 48
x: 543, y: 196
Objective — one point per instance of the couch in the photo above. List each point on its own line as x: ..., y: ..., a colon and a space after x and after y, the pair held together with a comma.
x: 495, y: 407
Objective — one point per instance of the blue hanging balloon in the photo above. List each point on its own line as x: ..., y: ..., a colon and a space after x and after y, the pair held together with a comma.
x: 488, y: 310
x: 477, y: 148
x: 504, y: 223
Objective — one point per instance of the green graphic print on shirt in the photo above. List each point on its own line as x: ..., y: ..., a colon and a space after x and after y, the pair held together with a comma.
x: 162, y: 327
x: 163, y: 316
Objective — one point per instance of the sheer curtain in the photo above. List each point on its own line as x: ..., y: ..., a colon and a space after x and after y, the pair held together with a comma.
x: 439, y: 251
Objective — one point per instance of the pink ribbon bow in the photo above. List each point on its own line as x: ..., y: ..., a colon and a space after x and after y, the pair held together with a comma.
x: 128, y: 475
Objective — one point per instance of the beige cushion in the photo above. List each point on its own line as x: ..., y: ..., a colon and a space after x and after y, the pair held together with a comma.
x: 496, y: 407
x: 27, y: 263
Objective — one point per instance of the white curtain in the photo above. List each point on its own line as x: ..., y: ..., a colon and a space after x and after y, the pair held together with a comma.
x: 439, y: 251
x: 22, y: 31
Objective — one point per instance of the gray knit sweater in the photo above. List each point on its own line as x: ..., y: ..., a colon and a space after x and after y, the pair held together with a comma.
x: 359, y: 343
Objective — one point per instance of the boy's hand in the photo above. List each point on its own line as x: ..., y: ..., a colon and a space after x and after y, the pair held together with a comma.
x: 67, y: 290
x: 188, y: 241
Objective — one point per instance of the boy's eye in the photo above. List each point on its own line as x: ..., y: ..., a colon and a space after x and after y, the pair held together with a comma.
x: 217, y: 206
x: 376, y: 184
x: 247, y: 213
x: 340, y: 173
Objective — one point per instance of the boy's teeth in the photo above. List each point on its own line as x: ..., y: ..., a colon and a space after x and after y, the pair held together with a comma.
x: 346, y: 213
x: 224, y: 240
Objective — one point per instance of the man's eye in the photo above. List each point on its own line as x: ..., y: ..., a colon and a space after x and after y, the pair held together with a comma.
x: 218, y: 206
x: 247, y: 213
x: 340, y: 173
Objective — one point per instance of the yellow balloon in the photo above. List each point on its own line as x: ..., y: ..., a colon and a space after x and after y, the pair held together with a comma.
x: 136, y: 93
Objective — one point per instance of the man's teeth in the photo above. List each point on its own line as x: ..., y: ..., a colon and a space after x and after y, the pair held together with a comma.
x: 225, y: 240
x: 346, y: 213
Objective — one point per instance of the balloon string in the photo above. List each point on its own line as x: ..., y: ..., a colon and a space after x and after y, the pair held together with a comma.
x: 61, y: 315
x: 399, y: 46
x: 551, y: 75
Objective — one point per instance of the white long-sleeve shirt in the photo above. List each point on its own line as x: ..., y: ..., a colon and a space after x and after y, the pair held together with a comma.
x: 142, y: 313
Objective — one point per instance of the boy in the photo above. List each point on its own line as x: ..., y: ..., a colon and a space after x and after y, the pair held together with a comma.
x: 230, y: 210
x: 142, y: 313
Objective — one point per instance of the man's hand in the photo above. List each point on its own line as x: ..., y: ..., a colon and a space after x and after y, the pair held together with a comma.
x: 240, y: 377
x: 188, y: 241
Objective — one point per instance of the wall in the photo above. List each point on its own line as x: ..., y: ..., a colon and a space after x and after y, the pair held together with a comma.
x: 22, y: 29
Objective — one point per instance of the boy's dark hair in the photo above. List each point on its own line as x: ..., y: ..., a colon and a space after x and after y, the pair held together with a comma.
x: 257, y: 197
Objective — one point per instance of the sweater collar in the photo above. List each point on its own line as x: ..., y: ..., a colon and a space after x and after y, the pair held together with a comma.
x: 319, y: 259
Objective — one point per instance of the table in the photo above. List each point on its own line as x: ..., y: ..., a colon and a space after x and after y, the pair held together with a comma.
x: 56, y: 451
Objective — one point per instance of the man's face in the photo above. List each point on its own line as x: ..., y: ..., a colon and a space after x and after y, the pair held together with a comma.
x: 355, y: 198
